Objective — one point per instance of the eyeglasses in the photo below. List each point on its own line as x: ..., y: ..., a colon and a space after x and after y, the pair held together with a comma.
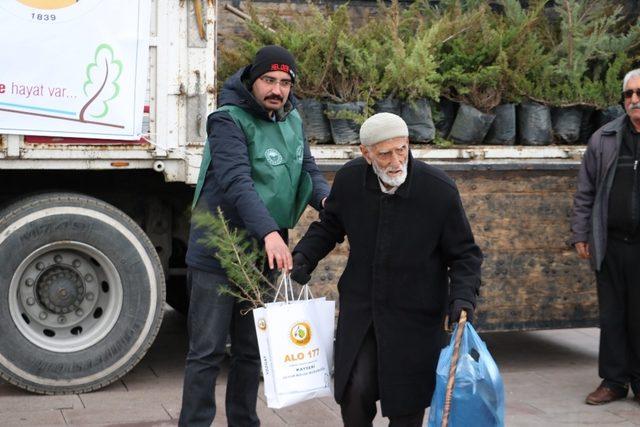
x: 629, y: 93
x: 270, y: 81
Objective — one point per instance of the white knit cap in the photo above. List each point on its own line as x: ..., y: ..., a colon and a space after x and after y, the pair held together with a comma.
x: 382, y: 126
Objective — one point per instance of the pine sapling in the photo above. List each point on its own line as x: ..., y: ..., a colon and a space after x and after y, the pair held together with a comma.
x: 239, y: 255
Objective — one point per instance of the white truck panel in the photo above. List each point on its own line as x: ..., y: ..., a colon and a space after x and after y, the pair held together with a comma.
x: 180, y: 95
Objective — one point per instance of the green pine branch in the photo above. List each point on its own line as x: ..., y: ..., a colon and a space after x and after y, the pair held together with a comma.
x: 574, y: 53
x: 238, y: 254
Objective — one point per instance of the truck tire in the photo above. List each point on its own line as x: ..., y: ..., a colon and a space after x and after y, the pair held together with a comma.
x: 81, y: 293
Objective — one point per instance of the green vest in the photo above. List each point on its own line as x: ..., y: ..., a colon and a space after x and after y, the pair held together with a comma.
x: 276, y: 150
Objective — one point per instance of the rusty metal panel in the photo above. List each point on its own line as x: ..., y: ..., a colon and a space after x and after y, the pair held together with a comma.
x: 531, y: 278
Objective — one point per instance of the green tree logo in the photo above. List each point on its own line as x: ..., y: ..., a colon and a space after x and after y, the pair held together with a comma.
x: 101, y: 85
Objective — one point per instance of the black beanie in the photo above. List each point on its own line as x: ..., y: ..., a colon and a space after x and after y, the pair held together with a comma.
x: 272, y: 58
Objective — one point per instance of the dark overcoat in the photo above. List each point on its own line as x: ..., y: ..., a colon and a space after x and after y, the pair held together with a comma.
x: 410, y: 254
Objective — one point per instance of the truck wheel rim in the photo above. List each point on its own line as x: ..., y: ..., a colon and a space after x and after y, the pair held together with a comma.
x: 65, y: 296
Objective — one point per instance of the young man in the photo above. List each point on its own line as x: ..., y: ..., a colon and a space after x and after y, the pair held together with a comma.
x: 258, y: 169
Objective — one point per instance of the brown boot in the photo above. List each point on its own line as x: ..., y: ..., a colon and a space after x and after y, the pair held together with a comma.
x: 604, y: 394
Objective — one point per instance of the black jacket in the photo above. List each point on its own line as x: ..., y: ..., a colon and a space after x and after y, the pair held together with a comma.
x: 410, y: 254
x: 228, y: 182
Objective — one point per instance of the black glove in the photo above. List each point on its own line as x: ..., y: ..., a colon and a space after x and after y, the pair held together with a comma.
x: 455, y: 309
x: 301, y: 271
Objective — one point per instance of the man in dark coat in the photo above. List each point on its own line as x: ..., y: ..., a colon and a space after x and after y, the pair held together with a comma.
x: 605, y: 228
x: 257, y: 168
x: 412, y: 260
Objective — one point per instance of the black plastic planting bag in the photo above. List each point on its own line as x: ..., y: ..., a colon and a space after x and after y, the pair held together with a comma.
x: 503, y: 128
x: 445, y: 115
x: 471, y: 125
x: 534, y: 124
x: 388, y: 105
x: 316, y: 124
x: 566, y: 124
x: 609, y: 114
x: 587, y: 124
x: 417, y: 115
x: 344, y: 130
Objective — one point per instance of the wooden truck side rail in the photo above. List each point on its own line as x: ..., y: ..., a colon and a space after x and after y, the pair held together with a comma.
x: 518, y: 201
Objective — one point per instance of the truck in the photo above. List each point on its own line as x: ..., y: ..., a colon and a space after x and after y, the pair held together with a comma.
x: 94, y: 227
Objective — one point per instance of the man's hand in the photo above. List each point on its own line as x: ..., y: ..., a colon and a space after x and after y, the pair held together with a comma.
x: 301, y: 270
x: 278, y: 251
x: 583, y: 250
x: 455, y: 309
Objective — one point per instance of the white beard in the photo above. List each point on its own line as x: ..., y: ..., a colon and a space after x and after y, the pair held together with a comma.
x: 393, y: 181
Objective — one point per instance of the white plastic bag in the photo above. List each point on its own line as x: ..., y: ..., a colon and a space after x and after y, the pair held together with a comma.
x: 295, y: 338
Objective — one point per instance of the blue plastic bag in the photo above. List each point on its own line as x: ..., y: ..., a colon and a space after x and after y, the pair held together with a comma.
x: 478, y: 393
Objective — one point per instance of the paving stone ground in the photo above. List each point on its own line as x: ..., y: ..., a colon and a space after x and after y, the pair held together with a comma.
x: 547, y: 375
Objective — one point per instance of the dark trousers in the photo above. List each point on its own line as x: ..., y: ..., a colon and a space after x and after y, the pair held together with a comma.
x: 358, y: 406
x: 212, y: 317
x: 619, y: 301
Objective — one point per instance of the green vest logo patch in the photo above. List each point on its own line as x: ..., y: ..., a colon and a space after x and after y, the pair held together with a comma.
x: 273, y: 156
x: 299, y: 154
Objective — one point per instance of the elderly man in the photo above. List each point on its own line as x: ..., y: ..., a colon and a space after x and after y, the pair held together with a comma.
x: 257, y: 168
x: 412, y: 260
x: 605, y: 229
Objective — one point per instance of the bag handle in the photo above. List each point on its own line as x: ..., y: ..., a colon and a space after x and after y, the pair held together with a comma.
x: 285, y: 281
x: 306, y: 290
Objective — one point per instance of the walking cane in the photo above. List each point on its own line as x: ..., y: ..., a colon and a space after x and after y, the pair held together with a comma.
x: 452, y: 369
